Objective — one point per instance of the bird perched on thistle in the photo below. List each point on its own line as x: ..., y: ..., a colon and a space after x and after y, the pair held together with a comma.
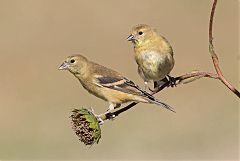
x: 107, y: 84
x: 153, y: 54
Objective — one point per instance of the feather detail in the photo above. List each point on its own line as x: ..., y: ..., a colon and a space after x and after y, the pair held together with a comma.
x: 127, y: 86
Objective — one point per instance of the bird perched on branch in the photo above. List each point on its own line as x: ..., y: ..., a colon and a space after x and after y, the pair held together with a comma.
x: 153, y: 54
x: 107, y: 84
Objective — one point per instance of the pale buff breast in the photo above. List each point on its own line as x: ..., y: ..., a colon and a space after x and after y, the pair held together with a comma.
x: 154, y: 66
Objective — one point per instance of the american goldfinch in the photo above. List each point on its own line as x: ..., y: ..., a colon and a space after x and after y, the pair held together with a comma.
x: 153, y: 54
x: 107, y: 84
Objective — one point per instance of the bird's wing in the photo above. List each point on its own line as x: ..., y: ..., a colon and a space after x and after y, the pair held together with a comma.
x: 127, y: 86
x: 119, y: 83
x: 105, y: 77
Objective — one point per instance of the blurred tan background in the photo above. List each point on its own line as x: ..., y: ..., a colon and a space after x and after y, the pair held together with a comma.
x: 36, y: 98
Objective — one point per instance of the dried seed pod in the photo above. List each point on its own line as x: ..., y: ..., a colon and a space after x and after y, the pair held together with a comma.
x: 86, y: 126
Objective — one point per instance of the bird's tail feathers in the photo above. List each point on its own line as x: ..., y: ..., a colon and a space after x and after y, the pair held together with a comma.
x: 150, y: 98
x: 164, y: 105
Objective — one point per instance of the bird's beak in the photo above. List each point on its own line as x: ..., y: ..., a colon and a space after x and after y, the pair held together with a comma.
x: 130, y: 38
x: 64, y: 66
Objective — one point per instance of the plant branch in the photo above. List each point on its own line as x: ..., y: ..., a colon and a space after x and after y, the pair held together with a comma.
x: 214, y: 55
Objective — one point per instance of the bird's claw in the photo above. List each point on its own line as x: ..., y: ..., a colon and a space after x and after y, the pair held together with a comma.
x: 110, y: 116
x: 167, y: 81
x: 100, y: 120
x: 172, y: 81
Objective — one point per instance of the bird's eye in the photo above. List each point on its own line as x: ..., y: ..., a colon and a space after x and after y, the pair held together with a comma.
x: 72, y: 61
x: 140, y: 33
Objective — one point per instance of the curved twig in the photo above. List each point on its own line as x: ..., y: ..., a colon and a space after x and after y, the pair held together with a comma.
x: 214, y: 55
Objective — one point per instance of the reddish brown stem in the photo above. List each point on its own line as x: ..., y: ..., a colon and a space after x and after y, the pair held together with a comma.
x: 214, y: 55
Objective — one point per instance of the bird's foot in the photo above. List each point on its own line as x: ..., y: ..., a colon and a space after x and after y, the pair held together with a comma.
x: 100, y: 120
x: 172, y: 81
x: 110, y: 115
x: 99, y: 117
x: 157, y: 85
